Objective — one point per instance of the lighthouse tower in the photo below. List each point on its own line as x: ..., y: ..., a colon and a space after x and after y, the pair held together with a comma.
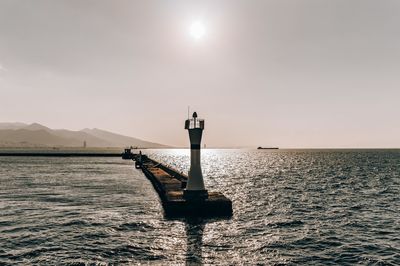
x: 195, y: 189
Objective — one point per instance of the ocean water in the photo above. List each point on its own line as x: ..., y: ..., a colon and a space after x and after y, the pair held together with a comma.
x: 315, y: 207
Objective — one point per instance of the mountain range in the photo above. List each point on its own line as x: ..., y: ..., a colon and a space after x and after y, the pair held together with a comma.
x: 36, y: 135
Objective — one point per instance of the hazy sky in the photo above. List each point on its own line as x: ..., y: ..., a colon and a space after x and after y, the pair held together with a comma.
x: 298, y: 73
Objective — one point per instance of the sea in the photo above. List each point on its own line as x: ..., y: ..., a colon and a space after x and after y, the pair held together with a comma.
x: 291, y: 207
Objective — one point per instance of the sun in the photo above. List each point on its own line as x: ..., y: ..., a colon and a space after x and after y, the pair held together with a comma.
x: 197, y: 30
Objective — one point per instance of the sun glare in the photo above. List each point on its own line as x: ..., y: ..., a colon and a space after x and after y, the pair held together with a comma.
x: 197, y: 30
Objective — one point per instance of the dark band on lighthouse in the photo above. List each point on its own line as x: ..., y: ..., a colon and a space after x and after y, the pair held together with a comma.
x: 195, y: 146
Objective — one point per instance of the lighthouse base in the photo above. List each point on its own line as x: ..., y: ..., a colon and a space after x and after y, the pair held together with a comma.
x: 195, y: 195
x: 178, y: 202
x: 216, y: 205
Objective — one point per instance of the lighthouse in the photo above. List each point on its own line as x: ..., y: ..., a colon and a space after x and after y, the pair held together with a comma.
x: 195, y: 189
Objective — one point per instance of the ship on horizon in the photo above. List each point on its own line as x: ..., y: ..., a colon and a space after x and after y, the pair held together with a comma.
x: 267, y: 148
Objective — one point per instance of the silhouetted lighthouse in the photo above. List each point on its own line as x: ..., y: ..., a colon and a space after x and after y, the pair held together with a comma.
x: 195, y: 189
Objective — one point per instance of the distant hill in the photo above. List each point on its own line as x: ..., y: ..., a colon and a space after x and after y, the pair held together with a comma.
x: 119, y: 140
x: 36, y: 126
x: 37, y: 135
x: 12, y: 125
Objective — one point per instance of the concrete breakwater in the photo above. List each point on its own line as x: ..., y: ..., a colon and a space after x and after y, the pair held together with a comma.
x: 170, y: 185
x: 60, y: 154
